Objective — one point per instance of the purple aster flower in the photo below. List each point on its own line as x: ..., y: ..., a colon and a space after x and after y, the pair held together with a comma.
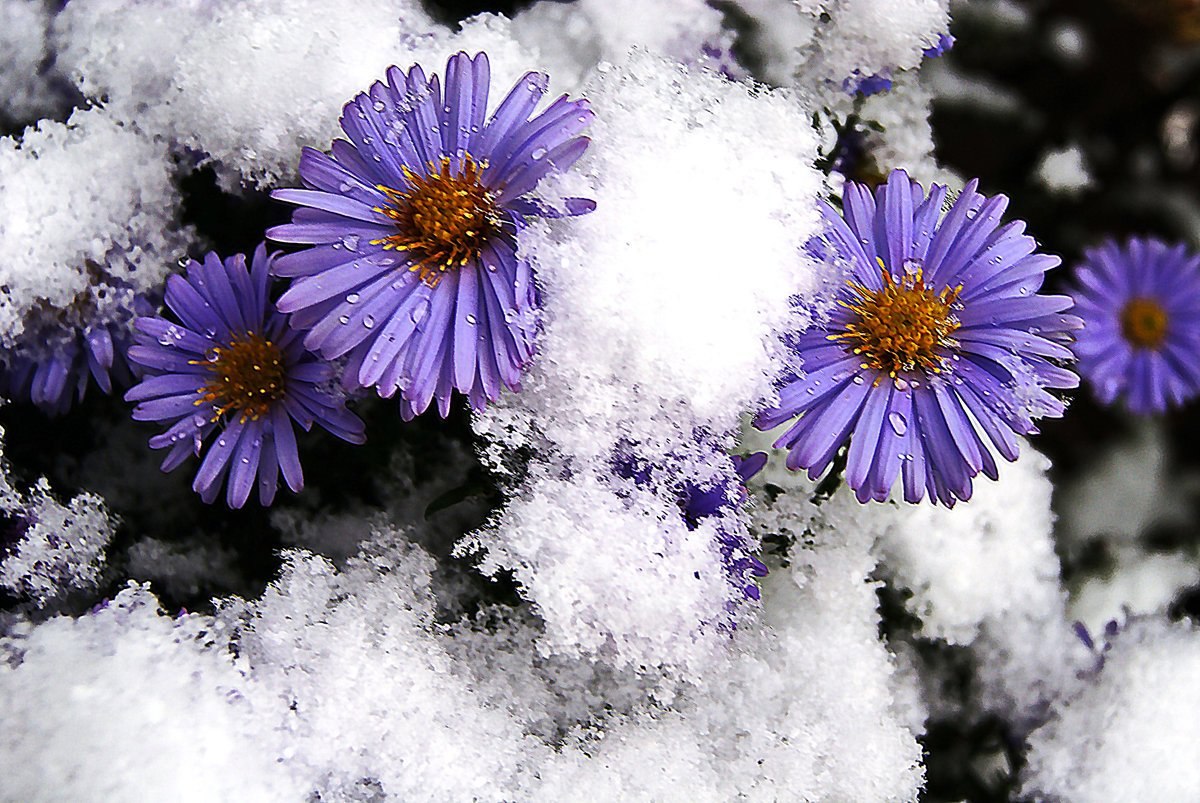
x: 938, y: 340
x: 867, y: 85
x: 698, y: 503
x: 232, y: 367
x: 1140, y: 304
x: 414, y: 270
x: 939, y: 48
x: 57, y: 359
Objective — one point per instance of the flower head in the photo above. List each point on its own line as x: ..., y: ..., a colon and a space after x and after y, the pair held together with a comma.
x: 62, y: 353
x: 1140, y: 304
x: 717, y: 501
x: 232, y: 368
x: 939, y: 339
x: 413, y: 270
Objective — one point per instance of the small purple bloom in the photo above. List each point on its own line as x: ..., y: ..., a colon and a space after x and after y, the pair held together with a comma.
x: 413, y: 270
x: 1140, y: 303
x: 944, y: 42
x: 867, y: 85
x: 232, y: 367
x: 54, y: 363
x: 939, y: 338
x: 698, y: 503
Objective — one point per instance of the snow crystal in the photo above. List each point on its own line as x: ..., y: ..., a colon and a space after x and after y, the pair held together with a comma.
x: 126, y: 705
x: 60, y: 546
x: 1131, y: 734
x: 953, y: 560
x: 575, y: 37
x: 290, y: 66
x: 658, y: 326
x: 1063, y: 170
x: 26, y: 88
x: 47, y: 548
x: 1125, y: 490
x: 843, y: 41
x: 88, y: 216
x: 374, y: 698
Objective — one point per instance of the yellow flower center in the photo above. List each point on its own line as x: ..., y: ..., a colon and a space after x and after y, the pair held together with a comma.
x: 1144, y: 323
x: 248, y: 377
x: 904, y: 326
x: 445, y: 218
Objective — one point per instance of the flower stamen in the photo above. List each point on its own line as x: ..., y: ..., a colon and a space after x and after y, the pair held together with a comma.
x: 904, y: 326
x: 444, y: 218
x: 1144, y: 323
x: 248, y: 376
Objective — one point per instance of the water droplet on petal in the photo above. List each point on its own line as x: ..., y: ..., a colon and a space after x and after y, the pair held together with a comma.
x: 369, y: 322
x: 471, y: 319
x: 343, y: 320
x: 901, y: 383
x: 350, y: 241
x: 898, y: 422
x: 352, y: 298
x: 210, y: 332
x: 420, y: 311
x: 378, y: 106
x: 538, y: 153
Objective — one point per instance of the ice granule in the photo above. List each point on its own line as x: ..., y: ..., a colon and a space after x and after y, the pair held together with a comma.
x: 1132, y: 733
x: 290, y: 66
x: 1063, y: 170
x: 88, y: 215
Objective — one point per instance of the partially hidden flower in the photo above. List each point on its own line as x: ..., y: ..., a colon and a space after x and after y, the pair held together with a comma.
x: 701, y: 503
x: 231, y: 369
x: 413, y: 270
x: 1140, y: 304
x: 939, y: 345
x: 714, y: 501
x: 62, y: 353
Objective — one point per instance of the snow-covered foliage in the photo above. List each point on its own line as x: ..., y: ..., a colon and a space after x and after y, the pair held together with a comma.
x: 522, y: 602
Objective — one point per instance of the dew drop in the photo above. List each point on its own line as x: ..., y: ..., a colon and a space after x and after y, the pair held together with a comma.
x: 419, y: 312
x: 538, y: 154
x: 378, y: 106
x: 858, y: 379
x: 350, y: 241
x: 369, y: 322
x: 898, y: 422
x: 901, y: 383
x: 471, y: 319
x: 345, y: 186
x: 343, y: 320
x: 352, y: 298
x: 212, y: 356
x: 971, y: 213
x: 199, y: 420
x: 210, y: 332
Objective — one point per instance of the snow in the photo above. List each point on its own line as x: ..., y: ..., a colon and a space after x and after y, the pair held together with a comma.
x: 88, y: 217
x: 291, y: 65
x: 624, y: 659
x: 1131, y: 734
